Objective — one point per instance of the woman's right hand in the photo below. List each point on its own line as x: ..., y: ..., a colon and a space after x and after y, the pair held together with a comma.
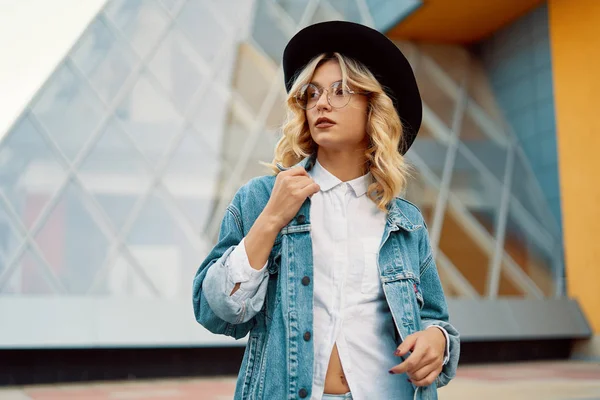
x: 291, y: 189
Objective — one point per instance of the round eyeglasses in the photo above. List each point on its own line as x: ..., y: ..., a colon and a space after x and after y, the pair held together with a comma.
x: 338, y: 95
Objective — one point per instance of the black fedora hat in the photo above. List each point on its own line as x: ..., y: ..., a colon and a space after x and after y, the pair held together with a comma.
x: 371, y: 48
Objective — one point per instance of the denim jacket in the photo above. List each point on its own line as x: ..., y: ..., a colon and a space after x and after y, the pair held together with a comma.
x: 278, y: 362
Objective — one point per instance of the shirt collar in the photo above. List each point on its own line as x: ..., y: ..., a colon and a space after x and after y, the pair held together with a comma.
x: 327, y: 181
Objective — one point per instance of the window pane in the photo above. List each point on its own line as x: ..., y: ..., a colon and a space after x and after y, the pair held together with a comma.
x: 69, y: 110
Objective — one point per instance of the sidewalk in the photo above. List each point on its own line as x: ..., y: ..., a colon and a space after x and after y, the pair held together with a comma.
x: 530, y: 381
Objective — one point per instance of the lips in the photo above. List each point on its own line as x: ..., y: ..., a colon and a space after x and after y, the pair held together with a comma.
x: 324, y: 123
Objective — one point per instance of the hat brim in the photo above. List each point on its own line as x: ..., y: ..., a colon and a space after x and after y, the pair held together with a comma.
x: 373, y: 49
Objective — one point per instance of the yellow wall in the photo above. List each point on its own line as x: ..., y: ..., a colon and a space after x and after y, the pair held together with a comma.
x: 575, y: 46
x: 459, y: 21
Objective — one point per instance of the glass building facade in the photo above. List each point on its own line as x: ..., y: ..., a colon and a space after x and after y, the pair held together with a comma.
x: 114, y: 179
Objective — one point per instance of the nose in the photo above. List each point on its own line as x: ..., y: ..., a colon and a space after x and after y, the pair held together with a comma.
x: 323, y: 103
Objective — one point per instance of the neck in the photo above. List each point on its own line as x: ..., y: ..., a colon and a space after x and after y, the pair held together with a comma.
x: 344, y: 165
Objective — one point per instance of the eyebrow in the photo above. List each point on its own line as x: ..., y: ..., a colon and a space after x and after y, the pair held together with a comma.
x: 319, y: 85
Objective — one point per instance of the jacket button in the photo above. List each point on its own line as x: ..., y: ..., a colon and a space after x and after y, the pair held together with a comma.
x: 307, y: 336
x: 306, y: 281
x: 303, y: 393
x: 301, y: 219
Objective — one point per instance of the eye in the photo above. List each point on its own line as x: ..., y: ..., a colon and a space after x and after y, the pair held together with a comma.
x: 312, y: 92
x: 338, y: 89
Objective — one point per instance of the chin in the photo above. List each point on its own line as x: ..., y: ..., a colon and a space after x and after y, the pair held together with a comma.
x: 333, y: 145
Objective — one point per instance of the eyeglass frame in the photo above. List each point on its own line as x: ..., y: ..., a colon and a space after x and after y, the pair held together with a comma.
x: 322, y: 89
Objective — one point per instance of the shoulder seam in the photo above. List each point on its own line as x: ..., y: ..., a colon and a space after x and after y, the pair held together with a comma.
x: 417, y: 209
x: 236, y: 216
x: 426, y: 264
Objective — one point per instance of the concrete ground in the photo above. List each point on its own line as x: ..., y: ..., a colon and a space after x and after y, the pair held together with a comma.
x: 547, y: 381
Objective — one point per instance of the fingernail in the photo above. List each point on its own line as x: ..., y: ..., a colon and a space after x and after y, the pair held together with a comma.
x: 397, y: 353
x: 391, y: 372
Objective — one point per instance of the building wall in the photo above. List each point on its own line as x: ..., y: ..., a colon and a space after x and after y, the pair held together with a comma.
x: 387, y: 13
x: 518, y: 61
x: 575, y: 47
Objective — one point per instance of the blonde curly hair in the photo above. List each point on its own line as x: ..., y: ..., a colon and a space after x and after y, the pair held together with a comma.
x: 387, y: 166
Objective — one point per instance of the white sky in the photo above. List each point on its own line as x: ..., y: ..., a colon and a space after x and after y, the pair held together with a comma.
x: 35, y: 35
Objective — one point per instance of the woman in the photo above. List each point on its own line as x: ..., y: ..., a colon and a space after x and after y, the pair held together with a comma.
x: 328, y: 270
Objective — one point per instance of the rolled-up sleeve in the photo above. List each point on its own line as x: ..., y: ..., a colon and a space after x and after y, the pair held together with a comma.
x: 240, y: 271
x: 222, y: 277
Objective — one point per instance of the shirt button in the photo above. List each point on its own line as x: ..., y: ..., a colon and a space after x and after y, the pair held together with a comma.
x: 301, y: 219
x: 302, y: 393
x: 307, y: 336
x: 306, y: 281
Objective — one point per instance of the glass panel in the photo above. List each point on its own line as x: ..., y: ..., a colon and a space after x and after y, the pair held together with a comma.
x: 293, y: 8
x: 531, y: 254
x: 121, y: 280
x: 507, y: 286
x: 30, y: 277
x: 432, y: 154
x: 211, y: 117
x: 450, y: 61
x: 236, y: 12
x: 268, y: 31
x: 115, y: 174
x: 72, y: 242
x: 482, y: 94
x: 479, y: 195
x: 150, y: 119
x: 10, y: 238
x: 449, y: 289
x: 163, y: 250
x: 433, y: 95
x: 179, y: 68
x: 461, y: 248
x: 263, y: 151
x: 104, y: 59
x: 69, y: 110
x: 252, y: 77
x: 226, y: 69
x: 482, y: 199
x: 141, y: 21
x: 30, y: 174
x: 125, y: 279
x: 277, y: 114
x: 348, y: 9
x: 207, y: 37
x: 170, y: 4
x: 234, y: 139
x: 491, y: 153
x: 523, y: 192
x: 192, y: 179
x: 324, y: 13
x: 422, y: 194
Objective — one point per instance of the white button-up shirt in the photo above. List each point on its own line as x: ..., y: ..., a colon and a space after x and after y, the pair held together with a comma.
x: 349, y: 307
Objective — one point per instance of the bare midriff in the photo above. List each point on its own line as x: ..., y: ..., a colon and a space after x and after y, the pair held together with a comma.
x: 335, y: 380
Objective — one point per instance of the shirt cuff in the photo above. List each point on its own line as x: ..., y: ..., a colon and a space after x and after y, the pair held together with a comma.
x: 447, y: 352
x: 240, y: 271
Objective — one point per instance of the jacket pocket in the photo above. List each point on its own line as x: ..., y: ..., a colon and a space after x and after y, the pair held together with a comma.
x: 405, y: 300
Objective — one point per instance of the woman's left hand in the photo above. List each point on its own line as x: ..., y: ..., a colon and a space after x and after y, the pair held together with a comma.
x: 426, y: 359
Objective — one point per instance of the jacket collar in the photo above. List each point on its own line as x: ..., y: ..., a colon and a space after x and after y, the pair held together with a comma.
x: 395, y: 217
x: 308, y: 163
